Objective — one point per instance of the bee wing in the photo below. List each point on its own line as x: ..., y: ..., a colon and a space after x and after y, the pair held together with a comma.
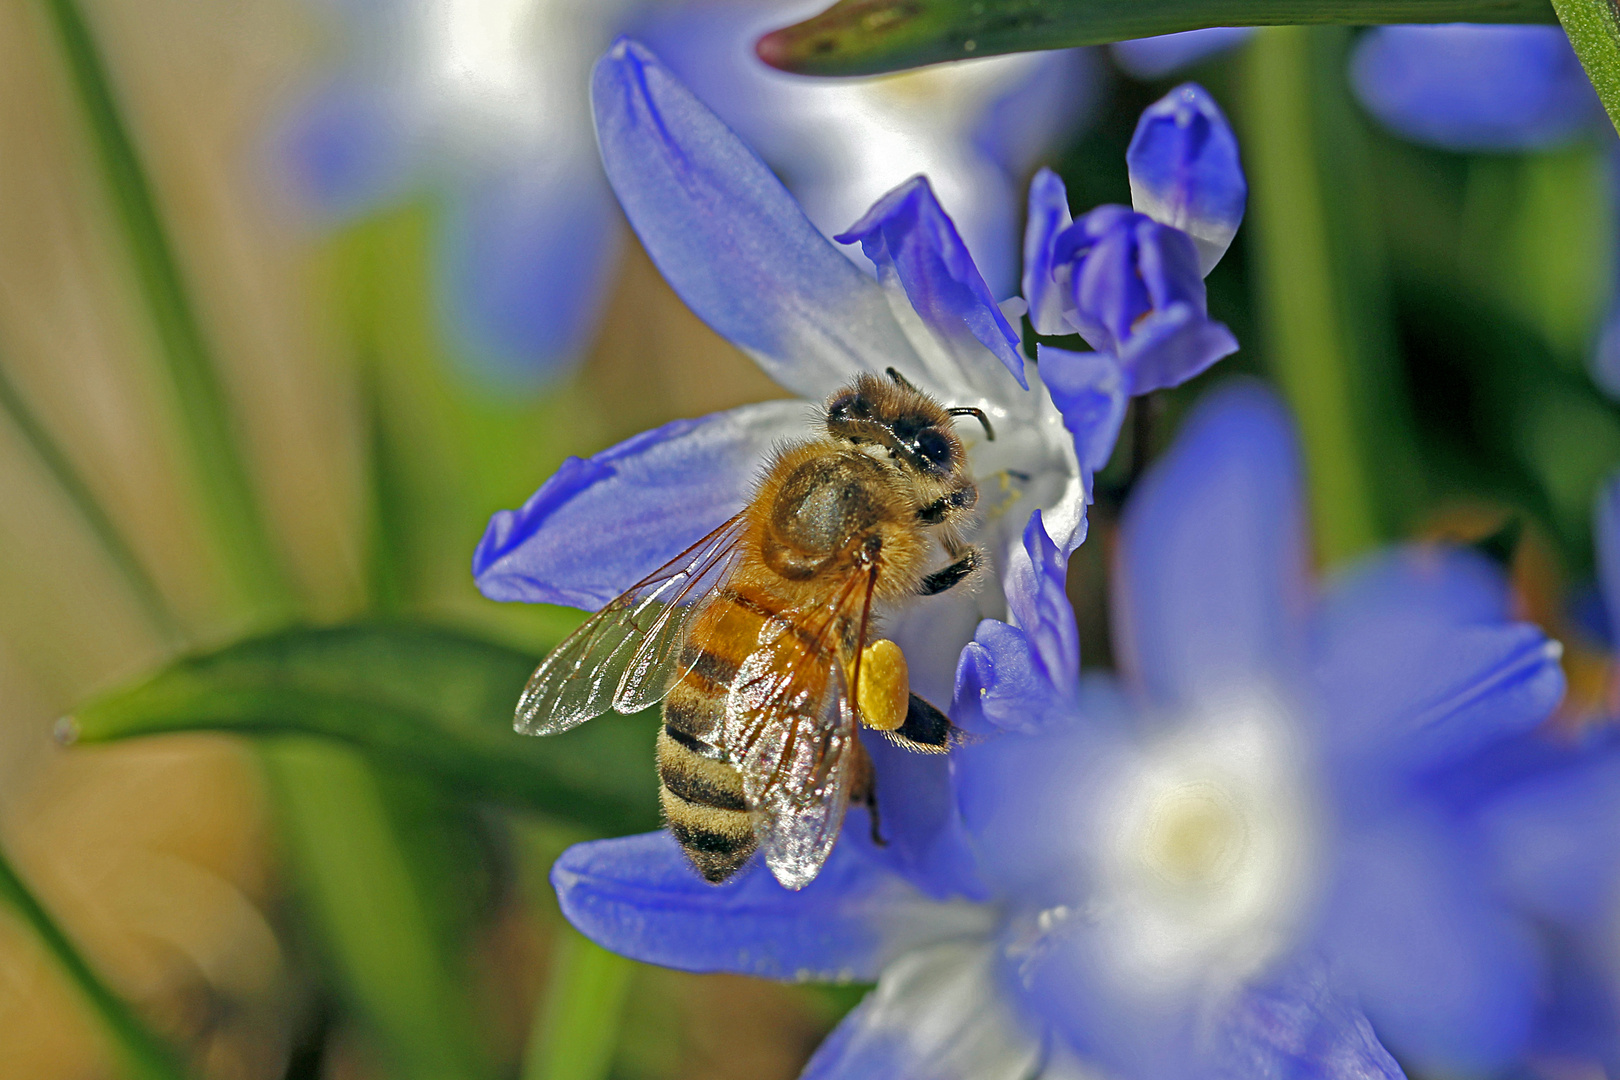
x: 626, y: 655
x: 790, y: 727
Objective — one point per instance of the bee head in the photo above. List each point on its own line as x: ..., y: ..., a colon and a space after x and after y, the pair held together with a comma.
x: 916, y: 430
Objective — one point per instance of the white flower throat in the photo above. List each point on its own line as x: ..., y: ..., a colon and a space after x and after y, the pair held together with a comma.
x: 1207, y: 861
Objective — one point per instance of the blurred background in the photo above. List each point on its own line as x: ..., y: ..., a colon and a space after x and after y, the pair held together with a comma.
x: 295, y: 294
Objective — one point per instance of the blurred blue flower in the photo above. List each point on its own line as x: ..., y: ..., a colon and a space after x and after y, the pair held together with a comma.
x: 975, y: 128
x: 487, y: 103
x: 1131, y: 282
x: 1165, y: 54
x: 1238, y: 860
x: 737, y: 248
x: 483, y: 101
x: 1467, y: 87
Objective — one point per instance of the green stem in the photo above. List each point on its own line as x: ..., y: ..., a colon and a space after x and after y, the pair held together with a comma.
x: 577, y: 1021
x: 1319, y: 284
x: 221, y: 473
x: 144, y: 1055
x: 864, y: 37
x: 57, y: 463
x: 1593, y: 27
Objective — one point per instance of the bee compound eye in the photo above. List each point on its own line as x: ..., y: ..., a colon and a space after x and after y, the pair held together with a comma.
x: 934, y: 447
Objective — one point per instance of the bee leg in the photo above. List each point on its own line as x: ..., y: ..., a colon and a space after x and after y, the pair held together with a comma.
x: 951, y: 576
x: 863, y: 790
x: 872, y: 812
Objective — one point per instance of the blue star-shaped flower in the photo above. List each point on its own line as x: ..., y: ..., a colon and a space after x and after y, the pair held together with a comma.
x: 1242, y: 858
x: 738, y: 249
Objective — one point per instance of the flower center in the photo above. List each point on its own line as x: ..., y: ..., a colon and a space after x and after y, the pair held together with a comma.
x: 1194, y: 836
x: 1210, y: 863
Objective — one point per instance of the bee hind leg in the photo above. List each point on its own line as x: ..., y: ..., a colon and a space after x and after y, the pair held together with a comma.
x: 864, y: 791
x: 950, y: 576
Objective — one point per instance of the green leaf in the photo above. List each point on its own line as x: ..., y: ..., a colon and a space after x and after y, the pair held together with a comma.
x: 1594, y: 29
x: 864, y: 37
x: 427, y: 699
x: 143, y: 1055
x: 221, y: 474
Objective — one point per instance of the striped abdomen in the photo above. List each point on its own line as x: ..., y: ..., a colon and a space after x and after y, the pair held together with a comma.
x: 701, y: 792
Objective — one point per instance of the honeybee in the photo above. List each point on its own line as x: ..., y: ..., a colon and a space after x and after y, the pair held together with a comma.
x: 757, y: 638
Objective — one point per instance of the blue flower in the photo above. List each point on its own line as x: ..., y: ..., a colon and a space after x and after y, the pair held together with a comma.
x: 484, y: 103
x: 1131, y: 282
x: 1467, y: 87
x: 737, y: 248
x: 1242, y: 858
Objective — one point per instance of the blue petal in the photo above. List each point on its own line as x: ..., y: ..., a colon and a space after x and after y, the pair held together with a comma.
x: 603, y: 523
x: 1185, y: 172
x: 1419, y: 665
x: 912, y: 242
x: 938, y: 1014
x: 1212, y: 585
x: 1018, y: 677
x: 1028, y: 800
x: 1466, y: 87
x: 1156, y: 57
x: 1555, y: 839
x: 1089, y: 390
x: 919, y: 821
x: 1298, y: 1023
x: 1172, y: 345
x: 730, y: 239
x: 1048, y: 216
x: 639, y: 897
x: 1448, y: 978
x: 1606, y: 538
x: 525, y: 271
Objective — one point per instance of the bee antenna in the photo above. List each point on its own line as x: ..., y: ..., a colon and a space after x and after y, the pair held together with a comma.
x: 899, y: 378
x: 978, y: 414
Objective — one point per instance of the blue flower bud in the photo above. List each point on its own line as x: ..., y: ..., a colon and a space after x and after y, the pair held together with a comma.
x: 1185, y: 172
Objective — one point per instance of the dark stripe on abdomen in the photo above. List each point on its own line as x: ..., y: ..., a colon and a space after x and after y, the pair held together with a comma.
x: 689, y: 785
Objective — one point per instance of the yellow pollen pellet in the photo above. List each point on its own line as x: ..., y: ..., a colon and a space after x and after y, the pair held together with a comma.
x: 885, y: 690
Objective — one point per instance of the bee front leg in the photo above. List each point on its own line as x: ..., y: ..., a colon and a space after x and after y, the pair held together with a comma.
x: 950, y: 576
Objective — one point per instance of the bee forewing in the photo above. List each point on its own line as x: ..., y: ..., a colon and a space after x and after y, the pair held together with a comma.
x: 802, y: 815
x: 623, y: 656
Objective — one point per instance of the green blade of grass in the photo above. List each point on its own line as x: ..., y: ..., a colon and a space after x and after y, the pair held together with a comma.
x: 221, y: 474
x: 60, y: 466
x: 1593, y: 27
x: 865, y: 37
x: 144, y: 1056
x: 577, y: 1020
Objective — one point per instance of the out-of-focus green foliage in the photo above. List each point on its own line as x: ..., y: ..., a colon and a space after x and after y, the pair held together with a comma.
x: 143, y: 1055
x: 1321, y: 285
x: 429, y: 700
x: 864, y: 37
